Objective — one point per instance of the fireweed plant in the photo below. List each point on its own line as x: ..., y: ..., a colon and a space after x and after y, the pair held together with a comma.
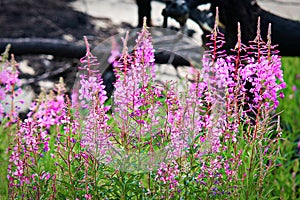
x: 216, y: 140
x: 9, y: 106
x: 10, y: 88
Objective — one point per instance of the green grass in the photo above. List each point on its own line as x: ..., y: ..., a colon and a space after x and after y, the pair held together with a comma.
x: 287, y: 176
x: 4, y: 142
x: 290, y: 105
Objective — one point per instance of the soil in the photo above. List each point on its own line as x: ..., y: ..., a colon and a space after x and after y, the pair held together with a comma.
x: 50, y: 19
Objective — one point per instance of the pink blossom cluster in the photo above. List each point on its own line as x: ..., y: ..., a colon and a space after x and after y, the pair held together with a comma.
x: 266, y: 78
x: 168, y: 174
x: 253, y: 70
x: 92, y: 96
x: 137, y: 110
x: 208, y: 117
x: 91, y: 83
x: 31, y: 142
x: 96, y: 131
x: 9, y: 89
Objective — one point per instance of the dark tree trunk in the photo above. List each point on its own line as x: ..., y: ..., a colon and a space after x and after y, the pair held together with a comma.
x: 285, y: 32
x: 144, y: 10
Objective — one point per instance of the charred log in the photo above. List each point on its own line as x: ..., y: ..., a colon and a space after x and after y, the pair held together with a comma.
x: 55, y: 47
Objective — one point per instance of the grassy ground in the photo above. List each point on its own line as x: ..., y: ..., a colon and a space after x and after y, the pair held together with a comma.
x: 290, y: 105
x: 287, y: 177
x: 4, y: 141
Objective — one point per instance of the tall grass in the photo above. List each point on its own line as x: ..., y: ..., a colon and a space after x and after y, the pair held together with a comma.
x: 290, y: 105
x: 287, y: 177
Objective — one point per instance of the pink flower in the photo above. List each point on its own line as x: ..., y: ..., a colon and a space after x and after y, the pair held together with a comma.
x: 167, y: 174
x: 9, y: 81
x: 88, y: 196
